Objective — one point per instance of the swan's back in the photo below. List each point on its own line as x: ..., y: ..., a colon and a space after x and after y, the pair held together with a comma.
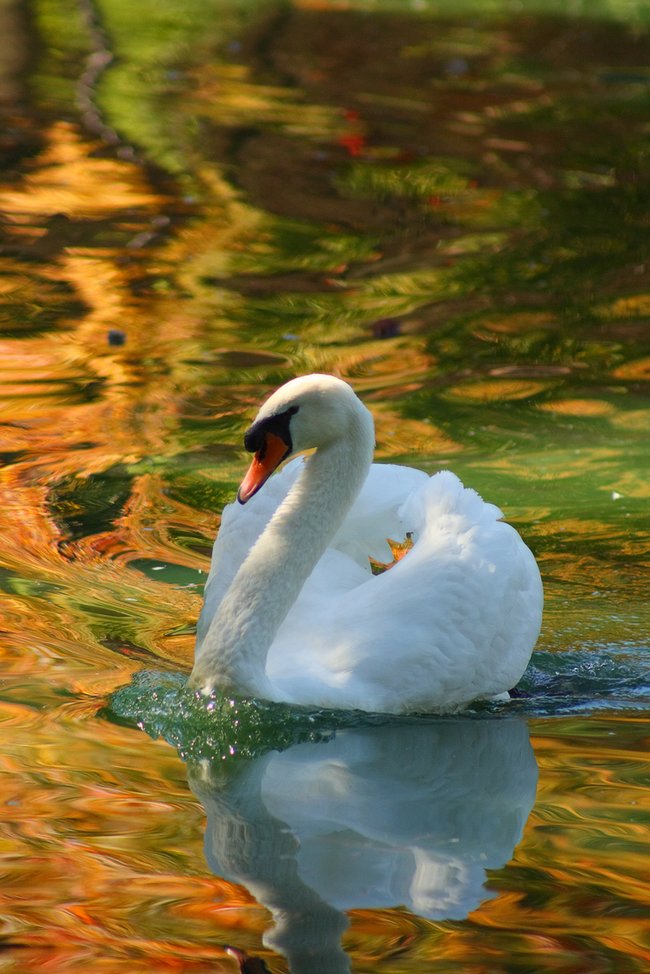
x: 454, y: 620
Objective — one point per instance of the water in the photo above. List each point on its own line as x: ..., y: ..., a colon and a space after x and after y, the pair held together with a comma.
x: 446, y: 204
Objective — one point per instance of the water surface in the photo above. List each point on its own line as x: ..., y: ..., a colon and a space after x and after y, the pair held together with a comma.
x: 447, y: 204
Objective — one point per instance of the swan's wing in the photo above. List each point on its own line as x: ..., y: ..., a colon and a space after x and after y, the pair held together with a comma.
x: 455, y: 619
x: 459, y: 615
x: 375, y: 516
x: 241, y: 526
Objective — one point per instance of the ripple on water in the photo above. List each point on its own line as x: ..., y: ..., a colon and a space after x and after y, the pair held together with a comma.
x: 598, y: 680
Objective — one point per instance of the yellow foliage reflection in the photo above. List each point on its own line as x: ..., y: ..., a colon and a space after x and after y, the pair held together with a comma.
x: 66, y: 179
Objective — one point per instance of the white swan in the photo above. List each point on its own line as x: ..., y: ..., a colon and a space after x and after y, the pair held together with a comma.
x: 292, y: 612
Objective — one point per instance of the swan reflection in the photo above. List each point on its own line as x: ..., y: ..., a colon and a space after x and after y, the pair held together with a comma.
x: 394, y: 815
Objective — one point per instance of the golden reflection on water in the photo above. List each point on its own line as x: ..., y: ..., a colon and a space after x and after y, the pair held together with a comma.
x: 66, y: 180
x: 101, y: 864
x: 103, y: 858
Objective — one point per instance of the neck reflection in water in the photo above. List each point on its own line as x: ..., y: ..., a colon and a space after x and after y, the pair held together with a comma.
x: 396, y: 815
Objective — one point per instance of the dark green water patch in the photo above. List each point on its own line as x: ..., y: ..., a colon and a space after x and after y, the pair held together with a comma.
x: 89, y: 505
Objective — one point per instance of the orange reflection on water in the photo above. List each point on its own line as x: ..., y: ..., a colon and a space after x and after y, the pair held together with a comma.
x: 79, y: 600
x: 638, y: 369
x: 66, y: 179
x: 95, y: 867
x: 578, y: 407
x: 575, y: 896
x: 79, y: 405
x: 490, y: 390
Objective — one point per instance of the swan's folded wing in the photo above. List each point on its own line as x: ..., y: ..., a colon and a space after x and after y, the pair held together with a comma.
x: 374, y: 516
x: 455, y: 619
x: 460, y: 613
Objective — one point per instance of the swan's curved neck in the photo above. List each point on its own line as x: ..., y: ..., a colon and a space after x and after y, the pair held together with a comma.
x: 233, y: 653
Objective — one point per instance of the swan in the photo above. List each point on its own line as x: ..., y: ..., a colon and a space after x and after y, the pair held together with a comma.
x: 292, y: 611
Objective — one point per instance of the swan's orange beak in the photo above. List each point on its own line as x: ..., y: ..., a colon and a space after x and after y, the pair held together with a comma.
x: 268, y: 457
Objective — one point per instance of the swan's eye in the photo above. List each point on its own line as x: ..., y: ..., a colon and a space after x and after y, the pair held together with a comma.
x: 255, y: 436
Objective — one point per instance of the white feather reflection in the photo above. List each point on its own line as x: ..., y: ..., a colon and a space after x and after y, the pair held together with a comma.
x: 395, y: 815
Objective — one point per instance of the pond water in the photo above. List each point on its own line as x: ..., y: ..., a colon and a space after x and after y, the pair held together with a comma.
x: 446, y: 204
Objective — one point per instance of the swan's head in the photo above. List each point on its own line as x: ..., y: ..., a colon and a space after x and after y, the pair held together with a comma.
x: 309, y: 412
